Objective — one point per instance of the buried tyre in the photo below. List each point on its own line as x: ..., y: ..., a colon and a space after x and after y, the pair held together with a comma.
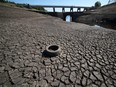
x: 52, y: 50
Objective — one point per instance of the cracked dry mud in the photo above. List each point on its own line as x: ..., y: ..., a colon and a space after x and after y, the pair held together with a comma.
x: 88, y: 57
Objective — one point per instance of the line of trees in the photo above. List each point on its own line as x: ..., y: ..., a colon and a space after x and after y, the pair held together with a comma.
x: 4, y: 1
x: 22, y: 5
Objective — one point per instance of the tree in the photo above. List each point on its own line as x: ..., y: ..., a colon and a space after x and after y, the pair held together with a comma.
x: 2, y: 0
x: 28, y: 6
x: 97, y: 4
x: 5, y: 1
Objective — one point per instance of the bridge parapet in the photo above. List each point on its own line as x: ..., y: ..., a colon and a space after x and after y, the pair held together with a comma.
x: 79, y: 8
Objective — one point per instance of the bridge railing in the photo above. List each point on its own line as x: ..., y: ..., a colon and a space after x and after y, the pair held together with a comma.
x: 79, y: 8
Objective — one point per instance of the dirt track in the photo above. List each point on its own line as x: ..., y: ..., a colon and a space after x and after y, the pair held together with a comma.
x: 88, y: 57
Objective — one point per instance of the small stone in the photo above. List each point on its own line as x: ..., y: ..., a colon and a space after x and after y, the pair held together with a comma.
x: 53, y: 59
x: 7, y: 68
x: 97, y: 65
x: 72, y: 77
x: 93, y: 85
x: 34, y: 84
x: 64, y: 55
x: 43, y: 72
x: 2, y: 78
x: 92, y: 77
x: 2, y: 69
x: 47, y: 62
x: 25, y: 85
x: 56, y: 66
x: 34, y: 69
x: 28, y: 75
x: 89, y: 81
x: 26, y: 62
x: 65, y: 69
x: 73, y: 68
x: 35, y: 64
x: 78, y: 81
x: 84, y: 81
x: 98, y: 75
x: 15, y: 76
x: 30, y: 64
x: 15, y: 65
x: 99, y: 56
x: 36, y: 76
x: 18, y: 80
x: 67, y: 81
x: 63, y: 78
x: 69, y: 57
x: 60, y: 66
x: 65, y: 65
x: 77, y: 63
x: 42, y: 83
x: 55, y: 83
x: 37, y: 56
x: 21, y: 64
x: 59, y: 76
x: 84, y: 65
x: 28, y: 69
x: 71, y: 85
x: 14, y: 73
x: 19, y: 53
x: 91, y: 60
x: 49, y: 78
x: 72, y: 64
x: 61, y: 85
x: 86, y: 73
x: 67, y: 73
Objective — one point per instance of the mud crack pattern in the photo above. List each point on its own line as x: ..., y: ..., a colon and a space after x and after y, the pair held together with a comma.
x: 88, y: 57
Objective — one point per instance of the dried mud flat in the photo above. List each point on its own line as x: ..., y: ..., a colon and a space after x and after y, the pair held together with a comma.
x: 88, y: 57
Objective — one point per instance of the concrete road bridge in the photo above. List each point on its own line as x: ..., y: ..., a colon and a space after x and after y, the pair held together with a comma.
x: 81, y: 10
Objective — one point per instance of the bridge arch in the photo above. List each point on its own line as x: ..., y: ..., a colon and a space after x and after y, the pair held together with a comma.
x: 68, y: 18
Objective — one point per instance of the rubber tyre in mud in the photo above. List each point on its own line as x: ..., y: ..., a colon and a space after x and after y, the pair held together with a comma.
x: 53, y: 50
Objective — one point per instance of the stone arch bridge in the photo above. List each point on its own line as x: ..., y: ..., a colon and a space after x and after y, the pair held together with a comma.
x: 74, y: 14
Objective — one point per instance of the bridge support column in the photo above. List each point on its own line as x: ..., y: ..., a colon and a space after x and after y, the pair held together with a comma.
x: 78, y: 9
x: 85, y: 9
x: 63, y: 10
x: 71, y: 9
x: 53, y: 9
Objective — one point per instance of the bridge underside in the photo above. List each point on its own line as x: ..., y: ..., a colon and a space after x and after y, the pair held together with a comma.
x: 73, y: 15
